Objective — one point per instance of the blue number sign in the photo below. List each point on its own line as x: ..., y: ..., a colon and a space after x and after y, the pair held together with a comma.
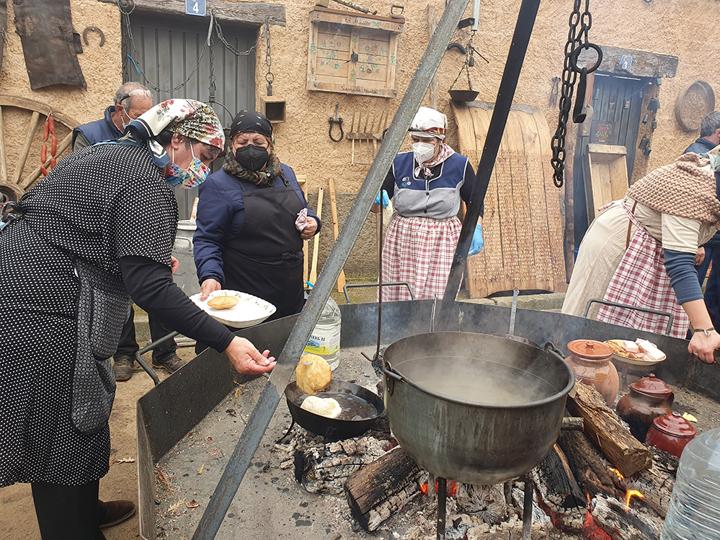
x: 195, y: 7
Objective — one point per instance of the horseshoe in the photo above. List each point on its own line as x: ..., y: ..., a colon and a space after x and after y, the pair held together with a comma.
x: 97, y: 31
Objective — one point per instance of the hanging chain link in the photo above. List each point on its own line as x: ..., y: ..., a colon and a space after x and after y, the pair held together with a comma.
x: 578, y: 38
x: 269, y: 76
x: 468, y: 63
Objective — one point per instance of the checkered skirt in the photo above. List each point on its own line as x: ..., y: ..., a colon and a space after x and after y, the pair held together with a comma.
x: 641, y: 280
x: 419, y: 251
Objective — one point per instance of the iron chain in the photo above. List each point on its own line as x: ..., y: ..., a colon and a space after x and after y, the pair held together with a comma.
x: 269, y: 76
x: 580, y: 24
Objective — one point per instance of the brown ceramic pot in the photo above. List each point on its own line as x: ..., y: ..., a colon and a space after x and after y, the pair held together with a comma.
x: 671, y: 433
x: 648, y: 399
x: 590, y: 360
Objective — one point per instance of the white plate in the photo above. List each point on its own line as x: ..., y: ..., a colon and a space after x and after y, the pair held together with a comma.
x: 249, y: 311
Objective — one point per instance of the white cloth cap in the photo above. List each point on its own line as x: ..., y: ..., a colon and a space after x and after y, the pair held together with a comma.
x: 428, y: 120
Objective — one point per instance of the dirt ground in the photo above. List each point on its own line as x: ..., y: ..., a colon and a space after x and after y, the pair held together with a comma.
x: 17, y: 515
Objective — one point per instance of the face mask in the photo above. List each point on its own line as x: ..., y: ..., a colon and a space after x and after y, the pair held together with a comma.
x: 188, y: 178
x: 252, y: 157
x: 423, y: 151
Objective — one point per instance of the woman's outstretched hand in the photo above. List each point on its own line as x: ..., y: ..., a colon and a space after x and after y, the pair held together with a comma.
x: 246, y: 359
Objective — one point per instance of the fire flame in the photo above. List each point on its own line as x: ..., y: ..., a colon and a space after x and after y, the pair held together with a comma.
x: 617, y: 473
x: 629, y: 494
x: 452, y: 488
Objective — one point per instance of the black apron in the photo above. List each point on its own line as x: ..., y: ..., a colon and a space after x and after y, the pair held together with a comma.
x: 265, y: 257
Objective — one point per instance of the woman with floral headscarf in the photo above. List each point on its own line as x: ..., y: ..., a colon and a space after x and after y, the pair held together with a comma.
x: 252, y: 219
x: 94, y: 234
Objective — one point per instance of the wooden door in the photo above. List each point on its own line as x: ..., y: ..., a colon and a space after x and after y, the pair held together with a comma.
x: 170, y: 56
x: 616, y: 112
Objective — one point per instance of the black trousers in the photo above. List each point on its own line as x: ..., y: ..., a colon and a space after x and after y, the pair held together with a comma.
x: 67, y: 512
x: 128, y: 343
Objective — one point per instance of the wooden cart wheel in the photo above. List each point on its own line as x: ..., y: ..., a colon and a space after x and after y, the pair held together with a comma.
x: 697, y: 101
x: 19, y: 120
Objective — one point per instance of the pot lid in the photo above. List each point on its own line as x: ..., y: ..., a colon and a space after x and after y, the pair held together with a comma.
x: 590, y: 349
x: 652, y: 386
x: 674, y: 424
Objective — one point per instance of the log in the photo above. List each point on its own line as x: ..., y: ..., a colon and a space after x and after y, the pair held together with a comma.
x: 624, y: 524
x: 555, y: 481
x: 379, y: 490
x: 604, y: 429
x: 657, y: 482
x: 589, y: 468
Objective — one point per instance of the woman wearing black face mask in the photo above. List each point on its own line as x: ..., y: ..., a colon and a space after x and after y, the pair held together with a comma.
x: 251, y: 221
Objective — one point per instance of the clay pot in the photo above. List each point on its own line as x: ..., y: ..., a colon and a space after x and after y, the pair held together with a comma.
x: 590, y: 360
x: 671, y: 433
x: 648, y: 399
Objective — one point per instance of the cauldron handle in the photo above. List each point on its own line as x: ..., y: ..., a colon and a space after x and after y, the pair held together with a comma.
x: 392, y: 377
x: 670, y: 316
x: 552, y: 349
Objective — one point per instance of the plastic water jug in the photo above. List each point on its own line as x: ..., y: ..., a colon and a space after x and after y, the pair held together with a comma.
x: 694, y: 512
x: 186, y: 276
x: 325, y: 337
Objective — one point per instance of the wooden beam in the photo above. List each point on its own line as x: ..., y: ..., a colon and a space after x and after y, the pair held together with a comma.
x: 432, y: 20
x: 632, y: 62
x: 246, y: 12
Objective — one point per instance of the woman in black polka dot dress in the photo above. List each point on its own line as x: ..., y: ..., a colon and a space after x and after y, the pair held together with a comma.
x: 97, y: 232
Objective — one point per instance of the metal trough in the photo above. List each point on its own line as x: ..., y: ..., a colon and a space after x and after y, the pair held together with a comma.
x: 168, y: 413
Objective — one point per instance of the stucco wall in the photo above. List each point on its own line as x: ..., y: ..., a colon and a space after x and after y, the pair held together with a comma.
x: 677, y: 27
x: 101, y: 68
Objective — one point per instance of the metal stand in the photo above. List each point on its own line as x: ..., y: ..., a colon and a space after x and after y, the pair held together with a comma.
x: 281, y: 440
x: 527, y: 508
x: 442, y: 507
x: 139, y: 359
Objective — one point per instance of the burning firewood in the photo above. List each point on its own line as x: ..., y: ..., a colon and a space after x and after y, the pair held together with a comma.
x: 590, y: 469
x: 325, y: 467
x: 604, y: 429
x: 622, y: 523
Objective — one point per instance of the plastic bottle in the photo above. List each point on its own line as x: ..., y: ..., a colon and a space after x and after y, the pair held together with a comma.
x: 325, y: 337
x: 694, y: 512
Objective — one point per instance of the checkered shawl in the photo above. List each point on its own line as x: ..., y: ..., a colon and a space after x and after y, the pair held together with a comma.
x: 418, y: 251
x: 641, y: 280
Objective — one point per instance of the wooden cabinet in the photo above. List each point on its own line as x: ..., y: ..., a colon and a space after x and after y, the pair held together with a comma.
x: 353, y: 54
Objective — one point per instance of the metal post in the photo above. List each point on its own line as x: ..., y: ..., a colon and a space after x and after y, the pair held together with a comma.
x: 441, y: 509
x: 503, y: 102
x: 527, y: 508
x: 262, y: 414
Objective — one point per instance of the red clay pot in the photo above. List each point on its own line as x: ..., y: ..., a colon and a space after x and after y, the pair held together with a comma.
x: 671, y: 433
x: 648, y: 399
